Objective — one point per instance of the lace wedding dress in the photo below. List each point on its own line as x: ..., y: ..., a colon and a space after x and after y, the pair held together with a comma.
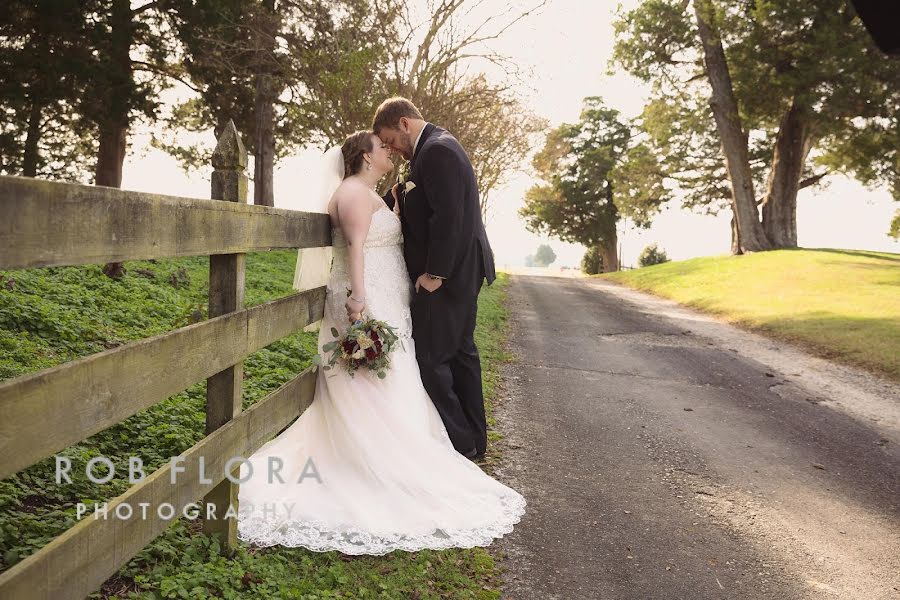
x: 385, y: 475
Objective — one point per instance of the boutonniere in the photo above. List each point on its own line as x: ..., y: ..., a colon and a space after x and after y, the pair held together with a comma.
x: 409, y: 186
x: 403, y: 172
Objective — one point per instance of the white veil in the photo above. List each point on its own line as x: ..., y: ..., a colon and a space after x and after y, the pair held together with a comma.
x: 314, y: 264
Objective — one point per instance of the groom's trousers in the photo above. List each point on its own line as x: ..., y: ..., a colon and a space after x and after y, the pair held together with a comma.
x: 444, y: 332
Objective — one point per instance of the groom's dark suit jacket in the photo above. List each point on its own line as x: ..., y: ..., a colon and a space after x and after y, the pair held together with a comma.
x: 443, y: 233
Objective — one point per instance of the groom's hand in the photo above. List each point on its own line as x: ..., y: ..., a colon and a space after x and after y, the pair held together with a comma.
x: 428, y: 283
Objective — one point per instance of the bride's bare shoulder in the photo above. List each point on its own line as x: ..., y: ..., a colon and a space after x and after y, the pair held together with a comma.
x: 351, y: 193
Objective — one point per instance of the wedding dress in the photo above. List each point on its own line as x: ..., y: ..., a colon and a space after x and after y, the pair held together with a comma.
x: 386, y: 476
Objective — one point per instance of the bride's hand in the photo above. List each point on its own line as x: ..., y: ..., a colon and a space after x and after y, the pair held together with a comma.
x: 396, y: 200
x: 354, y: 309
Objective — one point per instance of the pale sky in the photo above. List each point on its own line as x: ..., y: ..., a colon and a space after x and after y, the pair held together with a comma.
x: 567, y: 47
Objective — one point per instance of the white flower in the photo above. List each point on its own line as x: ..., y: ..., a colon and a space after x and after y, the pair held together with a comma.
x: 409, y: 186
x: 364, y: 341
x: 358, y: 354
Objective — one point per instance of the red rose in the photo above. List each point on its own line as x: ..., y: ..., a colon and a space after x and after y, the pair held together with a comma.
x: 349, y: 346
x: 373, y: 335
x: 370, y: 353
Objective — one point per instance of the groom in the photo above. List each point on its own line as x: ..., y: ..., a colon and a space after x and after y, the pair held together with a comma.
x: 448, y: 256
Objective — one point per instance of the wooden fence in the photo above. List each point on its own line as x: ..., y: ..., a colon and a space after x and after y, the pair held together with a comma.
x: 45, y: 224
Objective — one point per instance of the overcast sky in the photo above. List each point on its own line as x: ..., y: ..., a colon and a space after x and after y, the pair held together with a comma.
x: 567, y: 46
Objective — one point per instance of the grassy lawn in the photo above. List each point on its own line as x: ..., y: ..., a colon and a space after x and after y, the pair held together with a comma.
x: 490, y: 337
x: 49, y: 316
x: 841, y: 304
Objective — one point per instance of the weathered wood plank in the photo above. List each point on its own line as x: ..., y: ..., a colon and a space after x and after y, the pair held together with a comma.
x: 77, y: 562
x: 49, y: 410
x: 46, y: 223
x: 226, y: 295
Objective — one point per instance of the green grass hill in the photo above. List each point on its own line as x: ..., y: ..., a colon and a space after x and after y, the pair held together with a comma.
x: 840, y: 304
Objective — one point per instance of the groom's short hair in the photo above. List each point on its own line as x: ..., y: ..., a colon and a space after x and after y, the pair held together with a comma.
x: 391, y: 111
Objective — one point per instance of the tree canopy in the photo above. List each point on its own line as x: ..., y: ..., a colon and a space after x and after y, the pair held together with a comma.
x: 78, y: 76
x: 753, y: 101
x: 578, y: 200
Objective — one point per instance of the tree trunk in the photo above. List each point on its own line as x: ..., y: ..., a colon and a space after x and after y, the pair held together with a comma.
x: 113, y: 124
x: 30, y: 155
x: 264, y: 105
x: 735, y: 236
x: 728, y: 123
x: 264, y: 160
x: 38, y: 95
x: 111, y: 154
x: 779, y: 208
x: 609, y: 240
x: 608, y: 249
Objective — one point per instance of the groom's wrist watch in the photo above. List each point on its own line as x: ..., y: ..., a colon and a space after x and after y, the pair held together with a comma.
x: 430, y: 276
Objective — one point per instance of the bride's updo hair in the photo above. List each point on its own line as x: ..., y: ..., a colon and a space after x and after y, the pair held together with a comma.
x: 353, y: 149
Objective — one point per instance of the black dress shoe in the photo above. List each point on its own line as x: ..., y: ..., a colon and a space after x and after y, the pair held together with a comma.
x: 479, y: 456
x: 471, y: 454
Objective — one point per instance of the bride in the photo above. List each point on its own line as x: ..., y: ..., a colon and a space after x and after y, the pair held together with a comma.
x: 376, y: 469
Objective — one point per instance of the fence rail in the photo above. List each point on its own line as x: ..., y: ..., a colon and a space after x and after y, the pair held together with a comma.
x: 58, y: 224
x: 77, y: 562
x: 48, y: 224
x: 50, y: 410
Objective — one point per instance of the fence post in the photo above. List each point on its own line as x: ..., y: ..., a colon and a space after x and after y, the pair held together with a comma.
x: 226, y: 294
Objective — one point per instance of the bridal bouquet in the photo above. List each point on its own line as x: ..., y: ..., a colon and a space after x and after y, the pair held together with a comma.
x: 365, y: 344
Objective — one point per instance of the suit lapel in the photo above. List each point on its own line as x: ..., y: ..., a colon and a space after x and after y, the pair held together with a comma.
x: 430, y: 129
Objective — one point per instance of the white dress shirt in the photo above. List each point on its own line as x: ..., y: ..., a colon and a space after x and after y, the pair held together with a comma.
x: 419, y: 137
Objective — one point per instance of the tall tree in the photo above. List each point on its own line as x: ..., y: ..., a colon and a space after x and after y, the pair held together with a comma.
x: 81, y: 66
x: 789, y: 91
x: 265, y: 93
x: 124, y: 77
x: 217, y: 44
x: 334, y: 61
x: 343, y: 65
x: 578, y: 164
x: 42, y: 58
x: 731, y: 133
x: 437, y: 65
x: 492, y: 124
x: 290, y: 74
x: 544, y: 256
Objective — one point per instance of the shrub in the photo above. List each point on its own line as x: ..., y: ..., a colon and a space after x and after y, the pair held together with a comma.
x: 591, y: 262
x: 652, y: 255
